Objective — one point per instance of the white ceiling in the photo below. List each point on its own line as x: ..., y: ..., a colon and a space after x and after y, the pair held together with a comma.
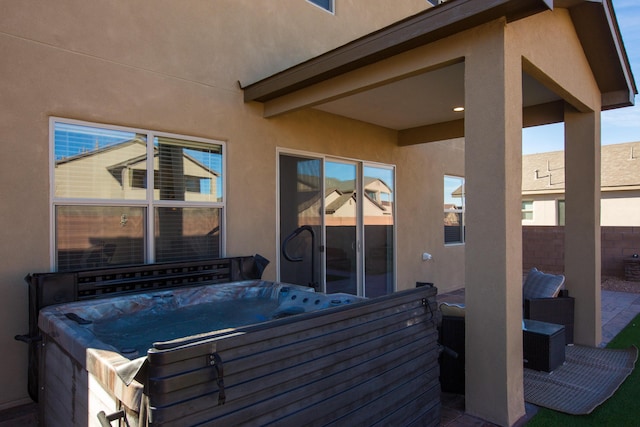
x: 420, y: 100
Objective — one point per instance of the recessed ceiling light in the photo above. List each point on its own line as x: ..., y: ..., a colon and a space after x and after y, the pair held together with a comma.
x: 458, y: 109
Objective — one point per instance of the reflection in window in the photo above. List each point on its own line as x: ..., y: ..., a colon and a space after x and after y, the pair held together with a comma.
x: 110, y: 167
x: 324, y: 4
x: 379, y: 228
x: 99, y: 236
x: 186, y: 170
x: 454, y: 196
x: 186, y: 233
x: 561, y: 212
x: 95, y: 163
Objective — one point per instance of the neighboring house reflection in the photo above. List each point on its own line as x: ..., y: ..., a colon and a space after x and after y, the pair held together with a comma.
x: 105, y: 233
x: 125, y: 174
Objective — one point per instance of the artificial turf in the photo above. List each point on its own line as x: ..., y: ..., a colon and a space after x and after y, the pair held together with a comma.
x: 620, y: 410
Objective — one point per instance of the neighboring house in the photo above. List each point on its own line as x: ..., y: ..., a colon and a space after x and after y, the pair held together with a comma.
x: 543, y: 187
x: 340, y: 204
x: 117, y: 169
x: 275, y: 92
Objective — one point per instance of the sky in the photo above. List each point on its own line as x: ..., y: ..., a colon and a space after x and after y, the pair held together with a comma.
x: 620, y: 125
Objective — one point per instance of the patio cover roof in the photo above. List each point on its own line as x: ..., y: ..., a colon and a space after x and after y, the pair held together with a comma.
x: 390, y: 78
x: 595, y: 25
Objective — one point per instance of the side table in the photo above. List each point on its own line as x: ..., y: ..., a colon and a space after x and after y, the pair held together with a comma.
x: 543, y: 345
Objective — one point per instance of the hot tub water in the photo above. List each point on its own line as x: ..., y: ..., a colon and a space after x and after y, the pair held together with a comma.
x: 131, y: 324
x: 134, y: 333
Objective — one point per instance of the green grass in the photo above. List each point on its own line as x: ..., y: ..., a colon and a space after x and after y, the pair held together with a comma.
x: 619, y: 410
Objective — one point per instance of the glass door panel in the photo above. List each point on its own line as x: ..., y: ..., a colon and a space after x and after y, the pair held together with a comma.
x: 341, y: 232
x: 300, y: 220
x: 336, y: 225
x: 378, y: 217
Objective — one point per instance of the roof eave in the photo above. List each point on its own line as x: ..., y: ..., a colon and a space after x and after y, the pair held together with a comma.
x: 420, y: 29
x: 597, y: 28
x: 594, y: 20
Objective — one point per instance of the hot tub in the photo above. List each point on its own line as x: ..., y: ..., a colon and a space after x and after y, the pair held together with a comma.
x: 241, y: 353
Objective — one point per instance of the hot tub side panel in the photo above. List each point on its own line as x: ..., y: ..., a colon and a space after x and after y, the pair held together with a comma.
x: 374, y: 363
x: 71, y: 396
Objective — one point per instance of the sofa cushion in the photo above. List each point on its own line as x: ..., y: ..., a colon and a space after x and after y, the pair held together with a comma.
x: 542, y: 285
x: 454, y: 310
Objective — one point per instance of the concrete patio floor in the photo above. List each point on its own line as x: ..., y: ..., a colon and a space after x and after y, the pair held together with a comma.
x: 618, y: 309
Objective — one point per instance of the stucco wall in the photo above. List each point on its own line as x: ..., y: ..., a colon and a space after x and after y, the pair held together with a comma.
x: 620, y: 208
x: 163, y: 66
x: 420, y: 222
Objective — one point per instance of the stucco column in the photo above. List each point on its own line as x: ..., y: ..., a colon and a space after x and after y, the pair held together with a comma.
x: 493, y: 267
x: 582, y: 218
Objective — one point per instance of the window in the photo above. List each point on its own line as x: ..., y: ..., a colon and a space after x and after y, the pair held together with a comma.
x: 453, y: 209
x: 527, y: 209
x: 103, y: 211
x: 325, y: 4
x: 561, y: 212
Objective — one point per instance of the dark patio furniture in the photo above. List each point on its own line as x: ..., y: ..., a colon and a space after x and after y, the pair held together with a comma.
x: 545, y: 299
x: 545, y: 302
x: 558, y: 310
x: 543, y: 347
x: 452, y: 358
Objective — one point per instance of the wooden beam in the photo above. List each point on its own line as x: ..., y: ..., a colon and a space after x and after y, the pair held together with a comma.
x: 431, y: 133
x: 535, y: 115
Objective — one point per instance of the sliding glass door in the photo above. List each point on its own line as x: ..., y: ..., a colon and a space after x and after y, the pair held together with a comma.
x: 336, y: 225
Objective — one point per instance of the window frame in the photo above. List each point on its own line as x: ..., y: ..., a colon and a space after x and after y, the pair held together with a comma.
x: 330, y: 9
x: 524, y: 210
x: 149, y: 203
x: 460, y: 211
x: 561, y: 212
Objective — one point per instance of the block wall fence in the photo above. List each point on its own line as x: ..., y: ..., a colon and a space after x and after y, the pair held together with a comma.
x: 543, y: 247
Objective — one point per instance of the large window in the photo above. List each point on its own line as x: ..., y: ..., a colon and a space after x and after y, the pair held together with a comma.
x: 453, y: 209
x: 105, y: 213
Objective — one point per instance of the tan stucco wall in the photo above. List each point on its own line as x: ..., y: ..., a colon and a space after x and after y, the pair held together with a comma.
x: 552, y: 53
x: 493, y: 155
x: 166, y: 66
x: 420, y: 221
